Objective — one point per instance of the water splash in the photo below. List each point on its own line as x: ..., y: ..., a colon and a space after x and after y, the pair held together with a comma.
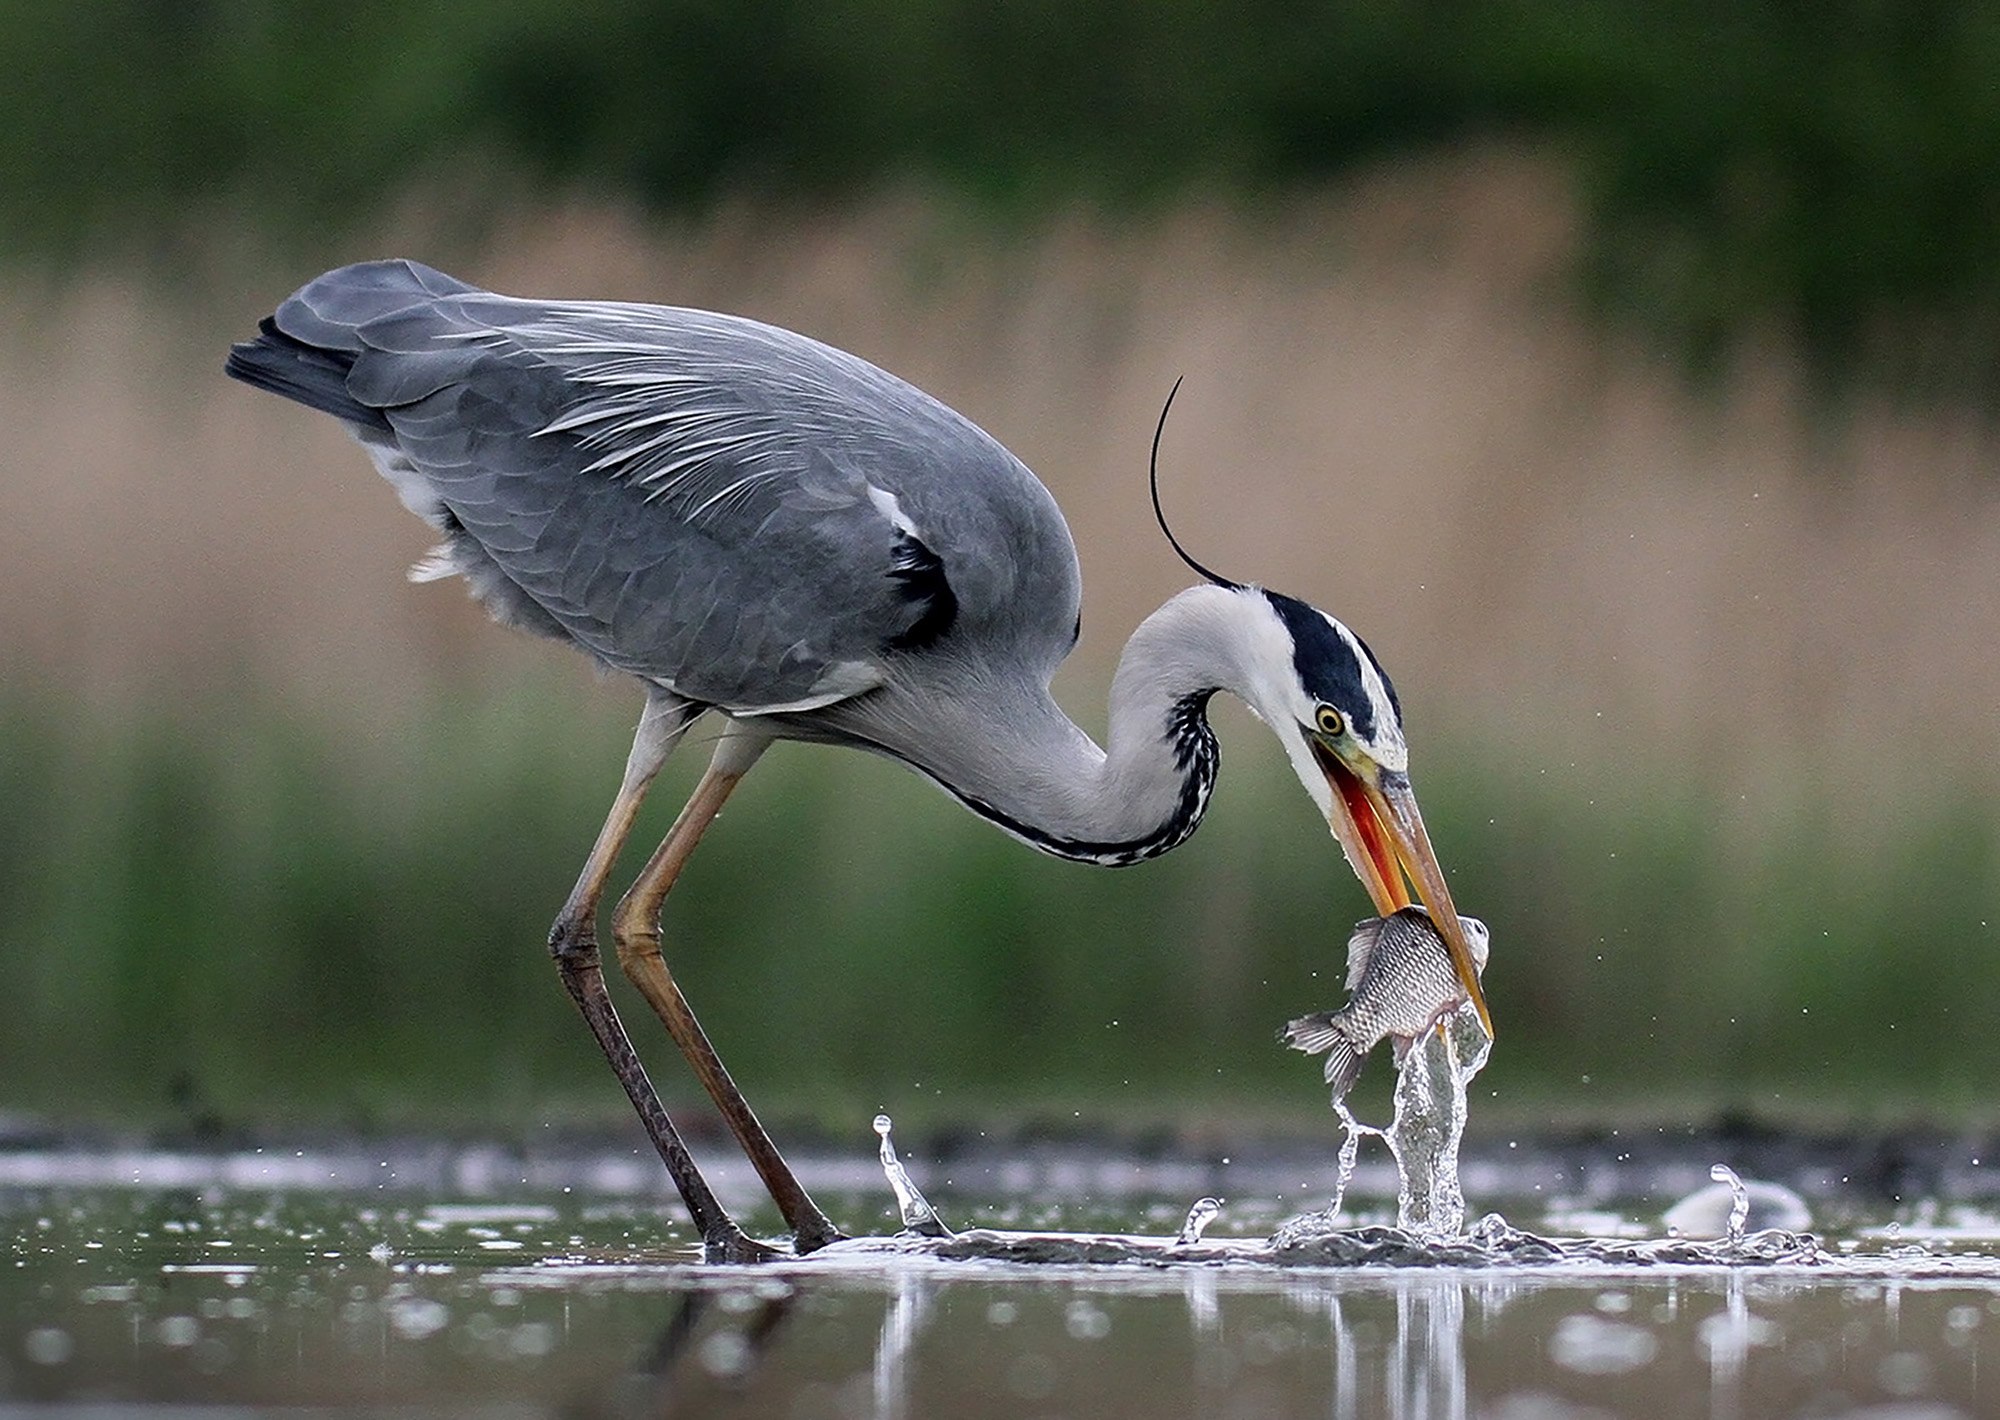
x: 1198, y: 1218
x: 1423, y: 1134
x: 918, y: 1215
x: 1732, y: 1207
x: 1429, y: 1122
x: 1739, y: 1203
x: 1351, y: 1130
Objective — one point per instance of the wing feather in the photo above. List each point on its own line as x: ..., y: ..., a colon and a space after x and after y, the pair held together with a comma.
x: 693, y: 498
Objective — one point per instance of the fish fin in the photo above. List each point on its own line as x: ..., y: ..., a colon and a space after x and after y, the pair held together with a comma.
x: 1343, y: 1067
x: 1361, y: 946
x: 1322, y: 1031
x: 1313, y: 1033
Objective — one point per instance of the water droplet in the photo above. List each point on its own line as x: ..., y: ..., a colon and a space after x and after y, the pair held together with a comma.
x: 917, y: 1214
x: 1198, y: 1218
x: 1739, y: 1202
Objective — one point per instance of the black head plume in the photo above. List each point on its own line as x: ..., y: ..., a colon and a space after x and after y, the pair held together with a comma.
x: 1153, y: 472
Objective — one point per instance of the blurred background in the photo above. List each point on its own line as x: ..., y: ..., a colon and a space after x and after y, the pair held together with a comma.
x: 1625, y: 373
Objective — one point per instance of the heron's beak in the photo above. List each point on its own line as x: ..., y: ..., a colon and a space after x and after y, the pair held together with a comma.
x: 1375, y: 818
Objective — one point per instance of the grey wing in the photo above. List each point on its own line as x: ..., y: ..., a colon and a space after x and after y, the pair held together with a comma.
x: 752, y: 518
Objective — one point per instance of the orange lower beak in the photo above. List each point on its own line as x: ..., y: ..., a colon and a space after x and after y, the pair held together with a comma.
x: 1383, y: 835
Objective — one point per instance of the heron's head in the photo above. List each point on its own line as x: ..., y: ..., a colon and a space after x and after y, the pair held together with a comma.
x: 1321, y: 689
x: 1328, y: 699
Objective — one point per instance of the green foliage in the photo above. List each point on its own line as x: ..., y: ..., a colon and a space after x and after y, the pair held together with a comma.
x: 224, y: 909
x: 1825, y: 170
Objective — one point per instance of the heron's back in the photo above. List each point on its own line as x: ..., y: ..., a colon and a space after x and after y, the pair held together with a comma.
x: 749, y: 517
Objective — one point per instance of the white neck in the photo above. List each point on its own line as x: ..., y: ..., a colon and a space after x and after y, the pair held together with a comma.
x: 1011, y: 755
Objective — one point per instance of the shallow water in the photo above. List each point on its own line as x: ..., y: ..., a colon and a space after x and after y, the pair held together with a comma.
x: 462, y: 1281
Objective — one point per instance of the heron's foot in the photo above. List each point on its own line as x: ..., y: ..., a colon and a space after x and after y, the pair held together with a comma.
x: 727, y: 1243
x: 814, y: 1238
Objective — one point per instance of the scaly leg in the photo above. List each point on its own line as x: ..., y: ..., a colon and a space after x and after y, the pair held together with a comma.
x: 573, y: 944
x: 635, y: 927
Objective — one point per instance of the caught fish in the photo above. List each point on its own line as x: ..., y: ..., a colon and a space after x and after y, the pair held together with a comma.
x: 1400, y: 983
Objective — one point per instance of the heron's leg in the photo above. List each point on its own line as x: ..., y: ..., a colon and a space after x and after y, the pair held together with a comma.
x: 573, y: 944
x: 635, y: 927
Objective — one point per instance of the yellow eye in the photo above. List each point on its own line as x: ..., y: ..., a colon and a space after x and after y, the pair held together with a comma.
x: 1330, y: 723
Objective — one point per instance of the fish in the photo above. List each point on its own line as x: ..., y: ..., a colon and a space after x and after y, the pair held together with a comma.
x: 1400, y: 983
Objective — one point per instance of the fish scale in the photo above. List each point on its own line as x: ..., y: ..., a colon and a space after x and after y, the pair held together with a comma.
x: 1400, y: 983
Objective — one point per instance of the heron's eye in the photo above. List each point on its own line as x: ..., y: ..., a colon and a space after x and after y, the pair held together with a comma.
x: 1330, y: 723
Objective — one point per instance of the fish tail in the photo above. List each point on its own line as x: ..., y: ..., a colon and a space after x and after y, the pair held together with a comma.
x: 1312, y: 1034
x: 1322, y: 1031
x: 1343, y: 1067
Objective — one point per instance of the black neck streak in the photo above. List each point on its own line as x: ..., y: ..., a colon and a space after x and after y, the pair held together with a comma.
x: 1196, y: 755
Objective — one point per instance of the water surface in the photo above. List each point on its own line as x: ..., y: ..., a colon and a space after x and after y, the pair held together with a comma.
x: 468, y: 1282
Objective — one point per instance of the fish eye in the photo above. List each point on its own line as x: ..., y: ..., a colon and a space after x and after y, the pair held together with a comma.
x: 1330, y: 723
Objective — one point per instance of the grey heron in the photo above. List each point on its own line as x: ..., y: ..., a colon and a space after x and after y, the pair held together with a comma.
x: 759, y: 527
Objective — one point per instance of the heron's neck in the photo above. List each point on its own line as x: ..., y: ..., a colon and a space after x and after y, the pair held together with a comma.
x: 1030, y: 769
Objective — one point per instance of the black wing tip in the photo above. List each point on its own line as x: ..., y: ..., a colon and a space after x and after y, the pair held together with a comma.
x: 306, y: 349
x: 1159, y: 515
x: 303, y: 373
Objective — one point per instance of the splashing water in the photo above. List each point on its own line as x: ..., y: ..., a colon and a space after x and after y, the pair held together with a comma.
x: 1424, y: 1133
x: 918, y: 1215
x: 1739, y: 1202
x: 1198, y: 1218
x: 1351, y: 1130
x: 1429, y: 1122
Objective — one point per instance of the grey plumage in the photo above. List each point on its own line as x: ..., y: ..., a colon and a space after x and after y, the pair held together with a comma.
x: 1400, y: 983
x: 721, y: 508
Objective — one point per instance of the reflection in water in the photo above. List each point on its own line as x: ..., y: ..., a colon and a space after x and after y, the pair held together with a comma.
x: 730, y: 1352
x: 1416, y: 1372
x: 1396, y: 1345
x: 1400, y: 1344
x: 909, y: 1310
x: 1346, y: 1371
x: 1204, y: 1315
x: 566, y: 1308
x: 1429, y: 1369
x: 1728, y: 1337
